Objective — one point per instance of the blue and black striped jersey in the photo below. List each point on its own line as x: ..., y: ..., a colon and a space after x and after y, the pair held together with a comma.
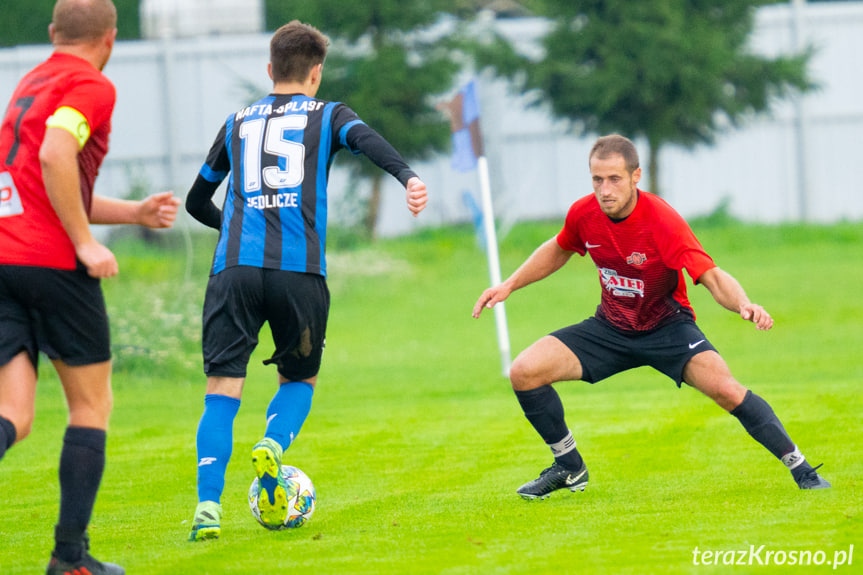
x: 277, y: 155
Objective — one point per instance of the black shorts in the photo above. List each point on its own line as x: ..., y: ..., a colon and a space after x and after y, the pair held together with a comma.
x: 238, y: 302
x: 59, y: 312
x: 604, y: 351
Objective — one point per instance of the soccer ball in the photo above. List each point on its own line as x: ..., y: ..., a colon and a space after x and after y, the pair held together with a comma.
x: 301, y: 498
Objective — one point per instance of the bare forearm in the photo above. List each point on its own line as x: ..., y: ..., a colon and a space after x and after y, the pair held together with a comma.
x: 58, y: 158
x: 726, y: 290
x: 547, y: 259
x: 156, y: 211
x: 113, y: 211
x: 60, y: 175
x: 544, y: 261
x: 728, y: 293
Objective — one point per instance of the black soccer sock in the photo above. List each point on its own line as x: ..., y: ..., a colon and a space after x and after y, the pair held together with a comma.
x: 82, y: 462
x: 761, y: 423
x: 7, y: 435
x: 544, y: 410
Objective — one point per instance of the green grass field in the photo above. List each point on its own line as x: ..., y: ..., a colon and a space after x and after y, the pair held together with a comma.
x: 416, y: 443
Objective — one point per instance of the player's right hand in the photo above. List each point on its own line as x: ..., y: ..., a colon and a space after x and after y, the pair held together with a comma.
x: 416, y: 195
x: 99, y: 260
x: 489, y: 298
x: 158, y: 210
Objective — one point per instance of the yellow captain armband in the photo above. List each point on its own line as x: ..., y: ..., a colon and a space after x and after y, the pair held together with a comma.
x: 73, y: 122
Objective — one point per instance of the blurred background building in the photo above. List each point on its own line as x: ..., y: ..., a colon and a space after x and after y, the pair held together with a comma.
x: 191, y: 18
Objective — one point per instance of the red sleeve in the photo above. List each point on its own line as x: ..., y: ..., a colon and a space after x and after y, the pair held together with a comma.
x: 94, y: 96
x: 569, y: 238
x: 677, y: 243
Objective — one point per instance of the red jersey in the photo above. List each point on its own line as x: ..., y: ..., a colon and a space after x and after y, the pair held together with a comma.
x: 30, y: 231
x: 640, y: 259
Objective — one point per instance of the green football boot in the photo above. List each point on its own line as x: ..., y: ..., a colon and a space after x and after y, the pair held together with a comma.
x: 273, y: 495
x: 207, y: 522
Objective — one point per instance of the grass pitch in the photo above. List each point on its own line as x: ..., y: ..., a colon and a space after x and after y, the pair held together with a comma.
x: 416, y: 444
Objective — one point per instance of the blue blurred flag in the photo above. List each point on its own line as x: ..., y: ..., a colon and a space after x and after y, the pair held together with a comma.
x: 464, y: 122
x: 463, y: 111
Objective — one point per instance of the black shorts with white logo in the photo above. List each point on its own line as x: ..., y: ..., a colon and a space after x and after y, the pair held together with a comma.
x: 58, y: 312
x: 604, y: 350
x: 238, y: 302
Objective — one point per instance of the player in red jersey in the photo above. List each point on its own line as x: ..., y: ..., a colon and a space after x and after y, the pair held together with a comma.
x: 53, y: 138
x: 640, y: 246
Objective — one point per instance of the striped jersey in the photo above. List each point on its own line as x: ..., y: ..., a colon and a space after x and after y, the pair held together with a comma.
x: 277, y: 155
x: 640, y: 260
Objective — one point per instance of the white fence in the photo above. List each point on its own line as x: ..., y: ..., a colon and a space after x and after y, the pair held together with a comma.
x: 799, y: 163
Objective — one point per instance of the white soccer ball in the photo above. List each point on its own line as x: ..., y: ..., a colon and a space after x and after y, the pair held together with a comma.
x: 301, y: 499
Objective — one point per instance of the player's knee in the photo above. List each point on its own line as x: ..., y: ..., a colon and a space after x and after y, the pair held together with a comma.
x: 96, y: 412
x: 23, y: 430
x: 23, y: 423
x: 522, y: 376
x: 729, y: 395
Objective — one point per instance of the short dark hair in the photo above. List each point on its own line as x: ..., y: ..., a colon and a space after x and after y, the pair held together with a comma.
x: 82, y: 20
x: 295, y: 49
x: 615, y: 144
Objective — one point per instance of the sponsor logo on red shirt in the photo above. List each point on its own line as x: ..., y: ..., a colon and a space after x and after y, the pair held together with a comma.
x: 619, y: 285
x: 636, y: 259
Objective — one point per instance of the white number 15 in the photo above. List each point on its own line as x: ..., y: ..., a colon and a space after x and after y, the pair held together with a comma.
x: 273, y: 143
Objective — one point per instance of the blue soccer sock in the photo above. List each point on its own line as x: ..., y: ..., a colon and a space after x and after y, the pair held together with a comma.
x: 288, y: 410
x: 215, y: 442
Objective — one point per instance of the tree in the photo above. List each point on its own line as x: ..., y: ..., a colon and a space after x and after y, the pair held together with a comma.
x: 27, y: 22
x: 388, y: 63
x: 666, y: 71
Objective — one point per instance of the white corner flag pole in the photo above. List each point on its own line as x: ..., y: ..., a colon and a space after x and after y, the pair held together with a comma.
x: 493, y: 263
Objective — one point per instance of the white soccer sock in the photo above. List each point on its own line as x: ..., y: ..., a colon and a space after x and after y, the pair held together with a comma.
x: 794, y: 459
x: 563, y: 446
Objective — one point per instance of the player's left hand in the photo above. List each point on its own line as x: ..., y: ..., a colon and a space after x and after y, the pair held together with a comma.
x: 757, y: 315
x: 158, y: 210
x: 416, y: 195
